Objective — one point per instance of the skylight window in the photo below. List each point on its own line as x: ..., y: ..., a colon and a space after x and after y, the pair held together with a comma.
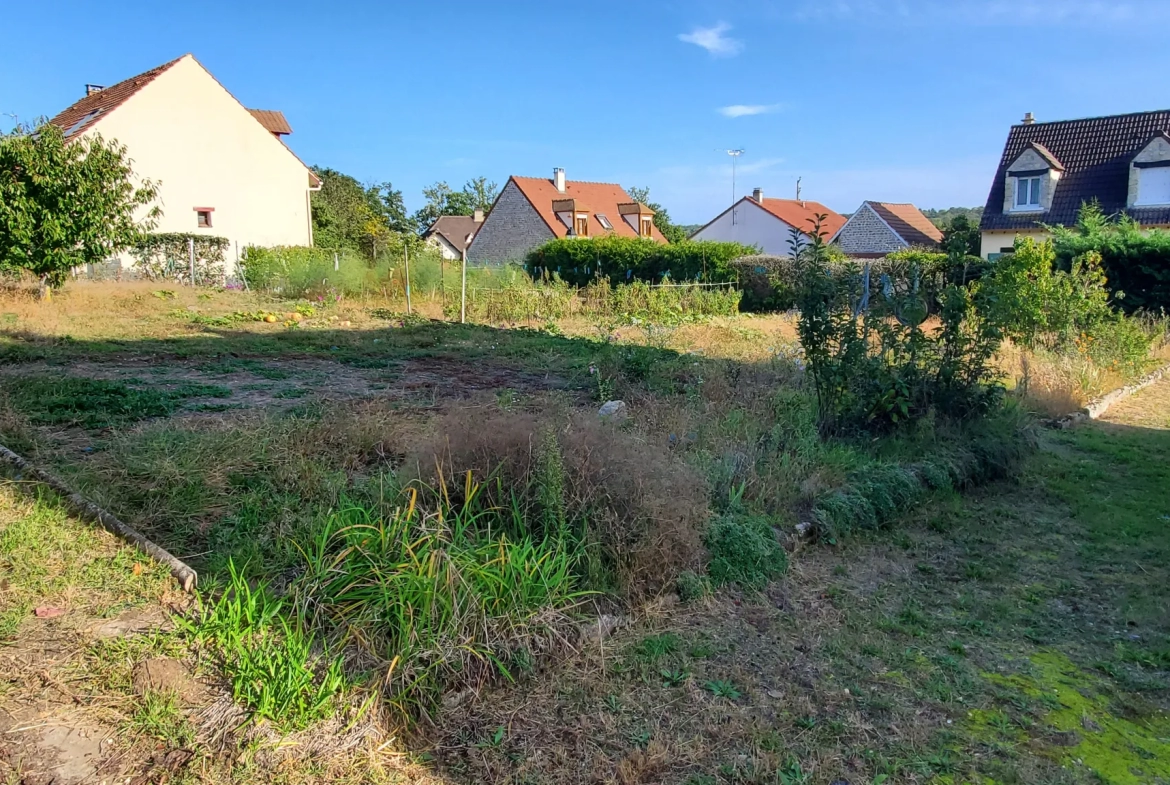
x: 605, y: 224
x: 83, y: 122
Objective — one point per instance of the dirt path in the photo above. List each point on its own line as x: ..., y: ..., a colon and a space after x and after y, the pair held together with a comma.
x: 1149, y: 408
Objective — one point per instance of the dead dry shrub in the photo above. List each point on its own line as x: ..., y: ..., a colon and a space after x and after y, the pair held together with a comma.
x: 642, y: 508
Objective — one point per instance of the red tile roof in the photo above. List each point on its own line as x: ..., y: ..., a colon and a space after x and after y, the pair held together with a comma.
x: 602, y: 198
x: 802, y: 213
x: 908, y: 222
x: 91, y: 108
x: 272, y: 120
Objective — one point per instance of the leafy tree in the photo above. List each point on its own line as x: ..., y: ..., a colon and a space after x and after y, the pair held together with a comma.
x: 942, y: 218
x: 64, y: 204
x: 389, y: 204
x: 672, y: 232
x: 347, y: 214
x: 962, y: 237
x: 481, y: 193
x: 477, y: 194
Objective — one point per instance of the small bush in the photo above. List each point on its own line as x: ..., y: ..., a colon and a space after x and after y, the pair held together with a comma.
x: 873, y: 363
x: 744, y: 551
x: 1135, y: 260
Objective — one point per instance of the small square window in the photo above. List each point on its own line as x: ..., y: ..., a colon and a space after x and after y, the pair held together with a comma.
x: 605, y: 224
x: 203, y: 217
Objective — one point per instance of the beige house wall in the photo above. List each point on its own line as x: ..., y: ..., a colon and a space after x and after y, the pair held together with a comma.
x: 204, y: 149
x: 992, y: 242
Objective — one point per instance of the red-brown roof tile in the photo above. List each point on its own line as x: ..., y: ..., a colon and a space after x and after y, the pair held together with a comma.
x: 801, y: 214
x: 272, y: 120
x: 908, y: 222
x: 602, y: 198
x: 81, y: 115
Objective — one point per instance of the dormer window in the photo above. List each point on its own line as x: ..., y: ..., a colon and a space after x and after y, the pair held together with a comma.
x: 581, y: 226
x: 1153, y: 184
x: 647, y: 226
x: 1027, y: 193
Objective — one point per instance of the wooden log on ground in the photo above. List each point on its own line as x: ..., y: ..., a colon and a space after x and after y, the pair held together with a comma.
x: 84, y: 508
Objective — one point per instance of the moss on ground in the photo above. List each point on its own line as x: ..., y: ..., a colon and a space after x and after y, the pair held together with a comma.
x: 1084, y: 725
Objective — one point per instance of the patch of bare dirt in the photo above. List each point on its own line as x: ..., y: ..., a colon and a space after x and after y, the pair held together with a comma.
x: 283, y: 382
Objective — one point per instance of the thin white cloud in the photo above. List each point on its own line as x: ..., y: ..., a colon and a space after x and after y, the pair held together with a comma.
x: 747, y: 110
x: 714, y: 40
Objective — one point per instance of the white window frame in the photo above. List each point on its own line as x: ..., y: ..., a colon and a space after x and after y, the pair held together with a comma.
x: 604, y: 221
x: 1033, y: 184
x: 1142, y: 202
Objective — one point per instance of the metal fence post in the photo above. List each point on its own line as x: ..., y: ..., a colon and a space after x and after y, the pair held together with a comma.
x: 191, y: 257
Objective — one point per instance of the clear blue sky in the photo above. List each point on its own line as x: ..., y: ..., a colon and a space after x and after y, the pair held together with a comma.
x: 897, y: 100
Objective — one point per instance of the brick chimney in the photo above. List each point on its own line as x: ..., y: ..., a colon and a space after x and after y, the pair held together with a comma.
x: 559, y: 179
x: 478, y: 217
x: 90, y: 89
x: 758, y: 195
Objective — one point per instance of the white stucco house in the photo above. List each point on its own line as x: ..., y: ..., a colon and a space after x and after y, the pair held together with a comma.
x: 221, y: 169
x: 768, y: 223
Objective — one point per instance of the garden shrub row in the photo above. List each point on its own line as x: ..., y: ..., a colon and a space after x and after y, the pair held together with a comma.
x: 580, y: 261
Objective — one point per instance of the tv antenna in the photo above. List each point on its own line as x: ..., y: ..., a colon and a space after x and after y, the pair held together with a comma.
x: 735, y: 154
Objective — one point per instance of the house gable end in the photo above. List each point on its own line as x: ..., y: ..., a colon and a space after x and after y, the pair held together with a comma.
x: 866, y: 232
x: 512, y: 229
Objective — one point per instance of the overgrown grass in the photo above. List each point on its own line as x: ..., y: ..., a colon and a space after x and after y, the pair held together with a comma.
x: 96, y: 403
x: 48, y: 559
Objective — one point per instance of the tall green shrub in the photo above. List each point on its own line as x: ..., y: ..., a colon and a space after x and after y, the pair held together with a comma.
x: 1135, y: 261
x: 624, y: 259
x: 872, y: 363
x: 1068, y: 311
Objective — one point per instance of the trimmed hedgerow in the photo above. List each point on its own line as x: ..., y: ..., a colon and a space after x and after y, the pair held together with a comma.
x: 580, y: 261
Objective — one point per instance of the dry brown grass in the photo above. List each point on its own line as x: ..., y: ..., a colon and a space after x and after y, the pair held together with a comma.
x: 643, y: 507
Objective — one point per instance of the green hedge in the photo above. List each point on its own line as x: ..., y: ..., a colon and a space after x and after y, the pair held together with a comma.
x: 1136, y: 261
x: 580, y: 261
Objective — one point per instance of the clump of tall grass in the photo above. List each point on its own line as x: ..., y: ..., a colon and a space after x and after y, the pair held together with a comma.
x: 966, y: 455
x: 438, y: 597
x: 267, y: 654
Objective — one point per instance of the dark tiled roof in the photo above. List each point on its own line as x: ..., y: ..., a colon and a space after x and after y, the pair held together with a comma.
x: 454, y: 229
x: 93, y: 107
x: 1095, y: 152
x: 272, y: 120
x: 908, y: 222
